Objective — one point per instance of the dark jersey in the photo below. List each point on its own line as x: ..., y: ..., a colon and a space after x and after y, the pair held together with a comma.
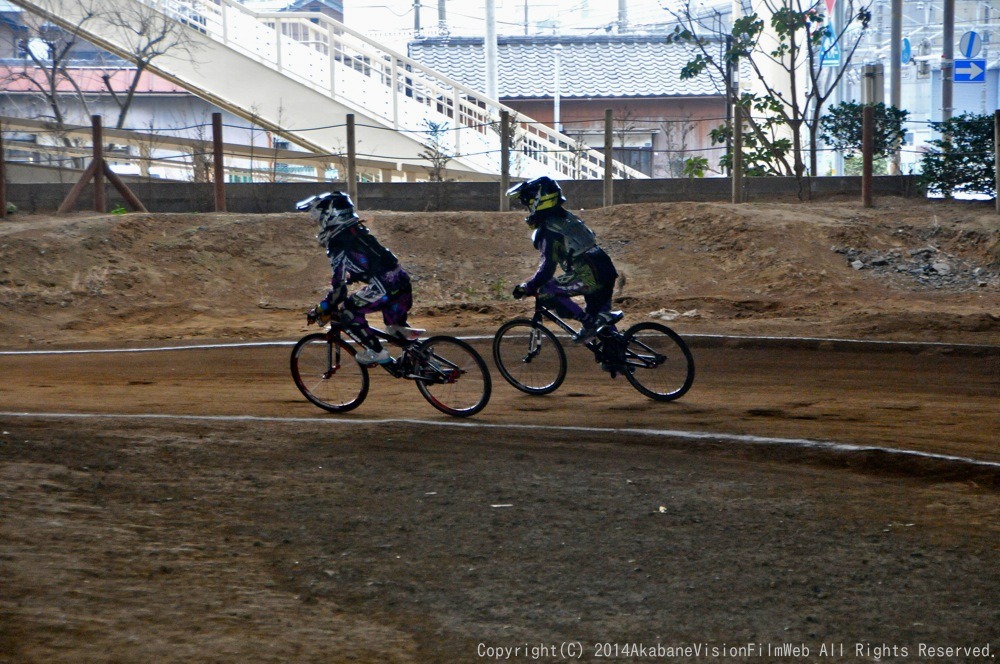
x: 355, y: 255
x: 565, y: 241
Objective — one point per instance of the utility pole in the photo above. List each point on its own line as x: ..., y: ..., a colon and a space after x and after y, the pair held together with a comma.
x: 490, y: 46
x: 443, y: 19
x: 895, y: 78
x: 416, y: 19
x: 947, y: 60
x: 556, y: 97
x: 622, y: 16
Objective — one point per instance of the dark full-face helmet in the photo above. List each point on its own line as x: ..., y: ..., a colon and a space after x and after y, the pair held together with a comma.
x: 541, y: 193
x: 333, y: 212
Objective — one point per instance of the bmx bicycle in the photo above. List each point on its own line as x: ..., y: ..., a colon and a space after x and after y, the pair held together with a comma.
x: 651, y: 356
x: 448, y: 372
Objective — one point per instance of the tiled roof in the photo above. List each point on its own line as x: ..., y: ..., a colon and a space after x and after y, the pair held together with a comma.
x: 609, y: 66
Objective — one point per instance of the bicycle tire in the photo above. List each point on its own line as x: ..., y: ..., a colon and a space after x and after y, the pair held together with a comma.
x: 657, y: 361
x: 529, y: 356
x: 325, y: 372
x: 451, y: 376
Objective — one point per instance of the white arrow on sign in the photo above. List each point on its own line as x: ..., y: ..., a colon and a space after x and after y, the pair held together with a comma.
x: 968, y: 70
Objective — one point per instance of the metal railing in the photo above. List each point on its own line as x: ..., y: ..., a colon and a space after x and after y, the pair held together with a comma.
x: 394, y: 90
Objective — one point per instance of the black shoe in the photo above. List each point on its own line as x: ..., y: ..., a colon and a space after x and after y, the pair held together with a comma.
x: 586, y: 335
x: 609, y: 317
x: 603, y: 319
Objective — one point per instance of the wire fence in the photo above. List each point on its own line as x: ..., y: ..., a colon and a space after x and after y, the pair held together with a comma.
x: 658, y: 147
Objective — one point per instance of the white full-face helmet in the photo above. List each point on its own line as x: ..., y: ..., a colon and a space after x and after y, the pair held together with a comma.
x: 333, y: 212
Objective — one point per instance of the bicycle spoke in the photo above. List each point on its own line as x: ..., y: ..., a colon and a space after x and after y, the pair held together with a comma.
x: 326, y: 373
x: 529, y: 357
x: 657, y: 361
x: 452, y: 376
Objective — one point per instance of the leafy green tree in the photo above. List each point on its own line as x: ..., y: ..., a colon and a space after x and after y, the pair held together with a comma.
x: 695, y: 167
x: 842, y: 128
x: 962, y: 160
x: 766, y: 147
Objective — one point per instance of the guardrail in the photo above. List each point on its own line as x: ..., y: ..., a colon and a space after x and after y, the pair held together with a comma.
x: 331, y: 58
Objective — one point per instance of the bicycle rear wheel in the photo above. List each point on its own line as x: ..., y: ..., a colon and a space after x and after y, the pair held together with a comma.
x: 529, y: 356
x: 452, y: 376
x: 657, y: 361
x: 325, y: 372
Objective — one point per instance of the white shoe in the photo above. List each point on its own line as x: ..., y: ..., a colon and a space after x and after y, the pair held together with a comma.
x: 368, y: 356
x: 403, y: 332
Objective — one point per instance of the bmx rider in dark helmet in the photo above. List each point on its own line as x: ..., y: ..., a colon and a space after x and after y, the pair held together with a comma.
x: 564, y: 241
x: 356, y: 256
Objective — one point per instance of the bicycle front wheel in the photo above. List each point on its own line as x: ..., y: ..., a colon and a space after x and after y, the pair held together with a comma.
x: 657, y: 361
x: 529, y: 356
x: 325, y: 372
x: 452, y: 376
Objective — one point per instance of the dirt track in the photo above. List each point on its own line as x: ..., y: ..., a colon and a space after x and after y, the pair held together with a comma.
x: 191, y: 506
x: 335, y: 538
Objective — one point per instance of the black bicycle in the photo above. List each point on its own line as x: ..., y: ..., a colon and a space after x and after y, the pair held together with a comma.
x: 653, y: 358
x: 449, y: 373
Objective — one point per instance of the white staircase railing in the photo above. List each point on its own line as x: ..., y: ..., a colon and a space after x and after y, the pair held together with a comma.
x: 387, y: 91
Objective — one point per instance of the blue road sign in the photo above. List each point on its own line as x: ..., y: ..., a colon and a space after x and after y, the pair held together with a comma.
x: 829, y: 49
x: 970, y: 44
x: 906, y: 52
x: 970, y: 71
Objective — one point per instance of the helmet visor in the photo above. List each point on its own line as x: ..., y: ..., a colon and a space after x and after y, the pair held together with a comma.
x: 309, y: 203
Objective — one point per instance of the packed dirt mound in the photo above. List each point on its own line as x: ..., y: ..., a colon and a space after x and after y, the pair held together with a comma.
x: 905, y: 269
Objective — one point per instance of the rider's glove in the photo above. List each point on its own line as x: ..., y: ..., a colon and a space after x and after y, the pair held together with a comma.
x: 320, y: 314
x: 520, y: 291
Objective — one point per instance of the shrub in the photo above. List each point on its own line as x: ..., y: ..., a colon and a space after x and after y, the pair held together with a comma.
x: 962, y: 160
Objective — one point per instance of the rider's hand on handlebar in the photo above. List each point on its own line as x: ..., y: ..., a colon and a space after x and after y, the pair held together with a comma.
x: 318, y: 317
x: 520, y: 291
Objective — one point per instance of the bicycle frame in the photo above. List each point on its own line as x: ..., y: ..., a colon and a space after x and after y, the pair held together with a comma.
x: 597, y: 345
x: 542, y: 312
x: 411, y: 364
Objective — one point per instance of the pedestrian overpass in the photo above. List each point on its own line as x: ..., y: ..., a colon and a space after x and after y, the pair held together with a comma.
x: 299, y: 74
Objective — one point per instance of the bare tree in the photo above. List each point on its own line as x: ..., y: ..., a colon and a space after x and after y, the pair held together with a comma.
x: 47, y: 53
x: 624, y: 126
x: 794, y: 38
x: 51, y: 62
x: 435, y: 151
x: 145, y: 34
x: 675, y: 140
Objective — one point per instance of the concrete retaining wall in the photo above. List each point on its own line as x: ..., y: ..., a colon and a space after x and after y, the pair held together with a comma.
x: 159, y: 196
